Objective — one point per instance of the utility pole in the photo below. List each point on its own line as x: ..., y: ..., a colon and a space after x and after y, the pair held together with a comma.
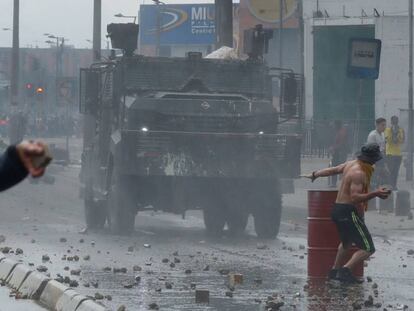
x: 281, y: 33
x: 14, y: 83
x: 97, y: 20
x: 89, y: 121
x: 302, y: 62
x: 224, y: 23
x: 409, y: 174
x: 158, y: 46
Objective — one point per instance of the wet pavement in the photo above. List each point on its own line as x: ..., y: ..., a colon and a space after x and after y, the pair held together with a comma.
x: 173, y: 257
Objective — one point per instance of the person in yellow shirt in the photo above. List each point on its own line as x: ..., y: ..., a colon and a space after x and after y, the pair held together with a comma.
x: 394, y: 138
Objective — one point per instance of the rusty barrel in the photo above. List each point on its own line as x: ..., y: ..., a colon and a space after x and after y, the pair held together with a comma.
x: 323, y: 238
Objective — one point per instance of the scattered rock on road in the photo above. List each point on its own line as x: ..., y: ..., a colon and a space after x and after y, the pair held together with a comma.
x: 153, y: 306
x: 120, y: 270
x: 41, y: 268
x: 5, y: 250
x: 128, y: 284
x: 99, y: 296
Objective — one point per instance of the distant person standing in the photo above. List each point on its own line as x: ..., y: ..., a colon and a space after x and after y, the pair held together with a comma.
x: 377, y: 137
x: 339, y: 149
x: 394, y: 138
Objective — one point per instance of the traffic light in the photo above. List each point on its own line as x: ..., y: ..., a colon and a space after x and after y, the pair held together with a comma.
x: 29, y: 89
x: 40, y: 90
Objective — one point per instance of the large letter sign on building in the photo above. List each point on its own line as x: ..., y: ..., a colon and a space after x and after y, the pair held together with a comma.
x: 364, y: 58
x: 179, y: 24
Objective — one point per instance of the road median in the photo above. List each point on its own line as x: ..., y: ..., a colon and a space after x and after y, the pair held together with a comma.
x: 51, y: 294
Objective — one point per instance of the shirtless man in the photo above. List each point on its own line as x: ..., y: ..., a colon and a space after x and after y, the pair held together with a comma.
x: 353, y: 191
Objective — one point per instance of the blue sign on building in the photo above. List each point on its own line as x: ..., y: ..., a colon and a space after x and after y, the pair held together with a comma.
x: 178, y: 24
x: 364, y: 58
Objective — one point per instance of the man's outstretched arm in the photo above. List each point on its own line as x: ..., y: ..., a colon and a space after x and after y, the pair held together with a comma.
x: 12, y: 169
x: 329, y: 171
x: 18, y: 161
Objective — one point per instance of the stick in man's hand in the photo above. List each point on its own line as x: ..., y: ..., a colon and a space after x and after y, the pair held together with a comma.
x: 310, y: 176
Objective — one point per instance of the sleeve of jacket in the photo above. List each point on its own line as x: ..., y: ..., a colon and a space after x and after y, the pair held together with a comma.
x: 12, y: 170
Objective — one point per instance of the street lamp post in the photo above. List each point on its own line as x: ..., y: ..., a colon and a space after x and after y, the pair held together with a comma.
x: 60, y: 41
x: 14, y: 83
x: 120, y: 15
x: 409, y: 173
x: 158, y: 42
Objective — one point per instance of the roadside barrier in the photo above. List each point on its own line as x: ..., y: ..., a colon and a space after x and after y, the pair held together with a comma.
x: 49, y: 293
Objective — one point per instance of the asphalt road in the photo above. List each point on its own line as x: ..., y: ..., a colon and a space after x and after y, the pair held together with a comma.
x: 173, y: 257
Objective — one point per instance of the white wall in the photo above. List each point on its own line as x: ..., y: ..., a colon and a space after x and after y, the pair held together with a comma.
x: 353, y: 7
x: 391, y: 89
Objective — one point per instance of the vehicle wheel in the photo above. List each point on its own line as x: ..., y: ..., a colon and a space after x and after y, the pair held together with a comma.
x: 214, y: 220
x: 267, y: 217
x: 95, y: 211
x: 237, y: 221
x: 121, y: 213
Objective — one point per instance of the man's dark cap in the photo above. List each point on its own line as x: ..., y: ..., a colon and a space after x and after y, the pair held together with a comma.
x: 370, y: 153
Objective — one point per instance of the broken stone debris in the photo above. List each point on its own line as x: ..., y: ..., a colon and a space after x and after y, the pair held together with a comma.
x: 99, y: 296
x: 153, y: 306
x: 202, y: 296
x: 41, y: 268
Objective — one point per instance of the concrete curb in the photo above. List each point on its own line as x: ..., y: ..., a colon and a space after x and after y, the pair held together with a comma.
x: 49, y: 293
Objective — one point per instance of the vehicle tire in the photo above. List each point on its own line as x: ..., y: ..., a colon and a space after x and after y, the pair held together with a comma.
x: 267, y: 216
x: 95, y: 213
x: 121, y: 213
x: 236, y: 221
x: 214, y: 220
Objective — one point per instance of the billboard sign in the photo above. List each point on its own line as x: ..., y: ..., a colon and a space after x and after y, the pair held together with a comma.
x: 364, y: 58
x: 267, y: 13
x: 177, y: 24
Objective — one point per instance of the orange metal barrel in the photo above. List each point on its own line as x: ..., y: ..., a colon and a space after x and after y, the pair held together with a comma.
x: 323, y: 239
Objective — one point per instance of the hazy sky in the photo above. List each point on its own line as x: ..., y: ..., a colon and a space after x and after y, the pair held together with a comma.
x: 71, y: 19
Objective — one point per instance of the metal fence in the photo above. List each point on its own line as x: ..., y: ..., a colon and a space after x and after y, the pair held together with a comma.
x: 319, y: 135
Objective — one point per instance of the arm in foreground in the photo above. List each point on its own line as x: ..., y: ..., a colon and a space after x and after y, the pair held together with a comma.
x: 17, y: 162
x: 329, y: 171
x: 12, y: 169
